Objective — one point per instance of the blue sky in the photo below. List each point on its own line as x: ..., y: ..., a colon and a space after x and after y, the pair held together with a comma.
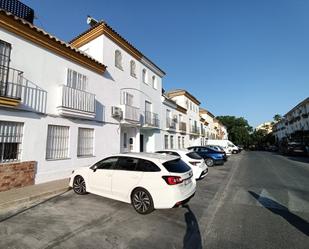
x: 246, y: 58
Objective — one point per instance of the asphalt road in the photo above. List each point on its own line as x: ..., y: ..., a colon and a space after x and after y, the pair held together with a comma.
x: 256, y: 200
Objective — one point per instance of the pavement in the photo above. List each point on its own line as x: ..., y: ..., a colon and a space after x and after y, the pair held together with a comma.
x: 15, y: 199
x: 255, y: 200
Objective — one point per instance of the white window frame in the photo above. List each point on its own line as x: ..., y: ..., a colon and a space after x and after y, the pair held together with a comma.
x: 154, y: 82
x: 145, y: 76
x: 57, y: 143
x: 11, y: 136
x: 118, y: 59
x: 76, y: 80
x: 85, y: 142
x: 165, y: 141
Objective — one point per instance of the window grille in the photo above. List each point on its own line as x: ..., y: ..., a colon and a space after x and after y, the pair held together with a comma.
x: 11, y: 134
x: 133, y: 68
x: 57, y: 142
x: 179, y: 144
x: 166, y: 141
x: 76, y: 80
x: 183, y: 142
x: 85, y: 142
x: 172, y: 142
x: 127, y: 99
x: 118, y: 59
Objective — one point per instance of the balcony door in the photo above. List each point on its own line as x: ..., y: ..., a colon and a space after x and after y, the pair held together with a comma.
x: 5, y: 53
x: 147, y: 112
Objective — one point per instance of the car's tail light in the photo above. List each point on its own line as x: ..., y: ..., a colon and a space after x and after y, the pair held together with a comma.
x: 172, y: 180
x: 194, y: 163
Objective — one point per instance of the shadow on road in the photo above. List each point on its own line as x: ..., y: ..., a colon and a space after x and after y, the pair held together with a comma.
x: 192, y: 238
x: 276, y: 208
x: 299, y: 159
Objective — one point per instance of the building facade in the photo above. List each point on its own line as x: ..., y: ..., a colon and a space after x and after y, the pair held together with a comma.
x: 67, y: 105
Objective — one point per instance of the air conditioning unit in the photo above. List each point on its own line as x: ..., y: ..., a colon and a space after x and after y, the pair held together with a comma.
x: 116, y: 111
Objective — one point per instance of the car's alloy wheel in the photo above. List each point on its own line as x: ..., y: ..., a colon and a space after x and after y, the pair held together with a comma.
x: 142, y: 201
x: 209, y: 162
x: 79, y: 185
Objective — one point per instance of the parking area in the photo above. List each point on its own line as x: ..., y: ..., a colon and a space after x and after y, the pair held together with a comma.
x: 90, y: 221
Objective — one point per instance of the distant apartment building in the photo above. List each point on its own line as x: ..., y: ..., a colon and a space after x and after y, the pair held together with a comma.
x: 266, y: 126
x: 294, y: 126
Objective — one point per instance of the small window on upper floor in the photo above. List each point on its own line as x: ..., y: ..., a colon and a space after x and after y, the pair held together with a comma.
x: 154, y: 82
x: 133, y: 68
x: 118, y: 59
x: 145, y: 76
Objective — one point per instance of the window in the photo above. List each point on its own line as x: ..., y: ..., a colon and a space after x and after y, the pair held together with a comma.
x: 172, y: 142
x: 108, y: 163
x: 147, y: 166
x: 85, y: 142
x: 118, y: 59
x: 193, y: 155
x: 179, y: 143
x: 5, y: 52
x: 183, y: 142
x: 144, y: 76
x: 11, y: 134
x: 125, y: 140
x: 76, y: 80
x: 133, y: 68
x: 57, y: 142
x: 127, y: 99
x: 166, y: 141
x: 127, y: 163
x: 154, y: 82
x: 176, y: 166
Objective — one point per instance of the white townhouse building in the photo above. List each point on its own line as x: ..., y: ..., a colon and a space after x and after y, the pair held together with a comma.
x: 295, y: 124
x: 174, y: 121
x: 209, y: 123
x: 137, y: 82
x: 62, y: 108
x: 184, y: 99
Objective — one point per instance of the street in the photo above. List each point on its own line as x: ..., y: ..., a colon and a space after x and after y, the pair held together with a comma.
x: 255, y: 200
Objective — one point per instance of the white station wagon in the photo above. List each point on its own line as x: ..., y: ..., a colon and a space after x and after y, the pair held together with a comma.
x: 146, y: 180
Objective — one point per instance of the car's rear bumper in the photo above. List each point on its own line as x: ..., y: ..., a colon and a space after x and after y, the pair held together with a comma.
x: 183, y: 202
x: 203, y: 174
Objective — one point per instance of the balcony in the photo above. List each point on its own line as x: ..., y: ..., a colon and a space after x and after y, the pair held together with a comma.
x: 182, y: 126
x: 170, y: 124
x: 10, y: 86
x: 151, y: 120
x: 76, y: 103
x: 194, y: 130
x: 130, y: 114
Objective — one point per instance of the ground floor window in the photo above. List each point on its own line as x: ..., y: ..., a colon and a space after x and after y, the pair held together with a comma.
x: 183, y: 142
x: 57, y: 146
x: 85, y: 142
x: 11, y: 134
x: 125, y: 140
x: 166, y: 141
x: 179, y: 143
x: 172, y: 142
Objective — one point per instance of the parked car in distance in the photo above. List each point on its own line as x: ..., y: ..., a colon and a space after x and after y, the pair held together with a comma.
x: 146, y: 180
x: 212, y: 157
x: 227, y: 145
x: 294, y: 149
x: 197, y: 164
x: 219, y: 149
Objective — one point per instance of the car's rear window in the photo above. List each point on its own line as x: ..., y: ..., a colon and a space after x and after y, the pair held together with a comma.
x: 176, y: 166
x: 194, y: 155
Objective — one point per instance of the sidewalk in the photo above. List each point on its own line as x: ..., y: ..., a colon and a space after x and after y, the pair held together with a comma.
x: 26, y: 196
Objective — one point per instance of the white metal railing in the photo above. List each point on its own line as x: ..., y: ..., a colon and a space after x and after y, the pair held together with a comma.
x: 10, y: 82
x: 77, y: 99
x: 170, y: 123
x: 131, y: 113
x: 151, y: 119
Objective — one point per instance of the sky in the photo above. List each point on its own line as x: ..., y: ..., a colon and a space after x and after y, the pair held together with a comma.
x: 246, y: 58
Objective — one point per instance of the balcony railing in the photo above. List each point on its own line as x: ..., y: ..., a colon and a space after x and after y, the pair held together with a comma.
x: 151, y: 119
x: 170, y: 123
x: 131, y: 113
x: 182, y: 126
x: 194, y: 130
x: 76, y: 102
x: 10, y: 83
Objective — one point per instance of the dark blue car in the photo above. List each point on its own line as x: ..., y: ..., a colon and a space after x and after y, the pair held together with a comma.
x: 212, y: 157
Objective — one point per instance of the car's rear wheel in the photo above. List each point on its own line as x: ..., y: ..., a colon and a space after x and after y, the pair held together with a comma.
x: 142, y: 201
x: 79, y: 185
x: 209, y: 162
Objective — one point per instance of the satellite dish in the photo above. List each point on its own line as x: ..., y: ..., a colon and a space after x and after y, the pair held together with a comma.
x: 91, y: 21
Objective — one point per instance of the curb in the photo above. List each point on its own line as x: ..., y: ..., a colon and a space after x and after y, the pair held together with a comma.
x: 27, y: 201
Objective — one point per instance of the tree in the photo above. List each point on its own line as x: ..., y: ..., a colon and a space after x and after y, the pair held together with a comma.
x: 277, y: 117
x: 237, y: 128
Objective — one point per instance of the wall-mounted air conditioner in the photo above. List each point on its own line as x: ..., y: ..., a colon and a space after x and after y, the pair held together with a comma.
x: 116, y: 112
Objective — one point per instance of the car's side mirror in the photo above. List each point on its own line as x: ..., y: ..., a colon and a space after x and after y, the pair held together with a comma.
x: 94, y: 168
